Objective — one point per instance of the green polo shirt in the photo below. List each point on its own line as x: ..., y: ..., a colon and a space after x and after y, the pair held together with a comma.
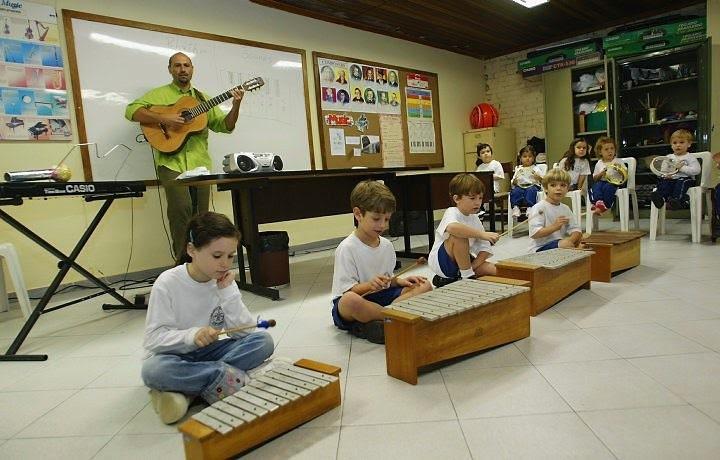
x: 195, y: 151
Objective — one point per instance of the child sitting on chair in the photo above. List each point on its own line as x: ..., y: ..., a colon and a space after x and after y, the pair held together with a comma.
x: 552, y: 223
x: 575, y: 162
x: 526, y: 181
x: 462, y: 246
x: 602, y: 192
x: 485, y: 162
x: 189, y: 307
x: 672, y: 189
x: 364, y: 262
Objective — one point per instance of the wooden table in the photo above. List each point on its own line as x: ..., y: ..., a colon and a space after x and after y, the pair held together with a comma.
x: 614, y: 251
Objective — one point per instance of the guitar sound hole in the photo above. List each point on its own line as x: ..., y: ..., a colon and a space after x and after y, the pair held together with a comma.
x: 186, y: 115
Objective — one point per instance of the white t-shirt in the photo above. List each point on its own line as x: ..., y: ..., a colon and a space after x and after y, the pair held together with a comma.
x: 545, y: 213
x: 179, y: 306
x: 581, y: 167
x: 356, y: 262
x: 453, y: 215
x: 524, y: 175
x: 691, y: 168
x: 498, y: 174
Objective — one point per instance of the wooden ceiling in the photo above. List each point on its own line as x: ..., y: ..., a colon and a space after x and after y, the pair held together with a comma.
x: 479, y: 28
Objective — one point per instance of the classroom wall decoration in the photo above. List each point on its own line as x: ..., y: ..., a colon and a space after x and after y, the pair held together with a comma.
x: 33, y: 94
x: 376, y: 115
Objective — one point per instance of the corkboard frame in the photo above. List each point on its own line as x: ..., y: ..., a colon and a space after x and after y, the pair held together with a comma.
x: 431, y: 160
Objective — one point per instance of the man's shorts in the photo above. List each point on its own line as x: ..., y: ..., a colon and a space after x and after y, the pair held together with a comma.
x: 384, y: 298
x: 550, y: 245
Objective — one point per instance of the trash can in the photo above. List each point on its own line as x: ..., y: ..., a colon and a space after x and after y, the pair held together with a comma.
x: 274, y: 259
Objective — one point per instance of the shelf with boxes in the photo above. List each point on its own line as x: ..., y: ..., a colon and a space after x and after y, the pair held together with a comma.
x: 590, y: 101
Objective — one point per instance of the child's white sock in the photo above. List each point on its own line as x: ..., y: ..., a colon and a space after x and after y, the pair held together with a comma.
x: 467, y: 273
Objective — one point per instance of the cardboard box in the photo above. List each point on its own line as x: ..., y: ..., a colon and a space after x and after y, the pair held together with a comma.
x: 655, y: 32
x: 596, y: 121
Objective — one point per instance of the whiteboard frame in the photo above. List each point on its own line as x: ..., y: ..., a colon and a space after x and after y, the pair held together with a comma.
x: 69, y: 15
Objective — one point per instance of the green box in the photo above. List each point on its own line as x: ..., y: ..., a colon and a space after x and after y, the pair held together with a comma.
x: 596, y: 121
x: 557, y: 58
x: 669, y: 41
x: 655, y: 32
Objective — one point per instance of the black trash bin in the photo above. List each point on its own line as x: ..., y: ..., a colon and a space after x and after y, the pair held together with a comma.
x: 274, y: 259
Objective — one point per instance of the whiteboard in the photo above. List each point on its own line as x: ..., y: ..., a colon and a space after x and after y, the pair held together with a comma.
x: 115, y: 64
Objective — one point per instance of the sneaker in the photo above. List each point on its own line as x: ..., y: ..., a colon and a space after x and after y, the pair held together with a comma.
x: 170, y: 406
x: 374, y: 332
x: 440, y: 281
x: 657, y: 200
x: 515, y: 211
x: 600, y: 206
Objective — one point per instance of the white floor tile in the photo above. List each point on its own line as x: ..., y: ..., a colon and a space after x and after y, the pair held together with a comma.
x: 71, y: 448
x: 64, y: 373
x: 550, y: 321
x: 300, y: 444
x: 657, y: 432
x: 142, y: 447
x: 383, y: 399
x: 644, y: 340
x: 148, y: 422
x: 611, y: 384
x: 502, y: 391
x: 504, y: 356
x: 92, y: 412
x: 408, y: 440
x: 545, y: 436
x: 704, y: 332
x: 366, y: 359
x: 695, y: 378
x: 712, y: 410
x: 20, y: 409
x: 563, y: 346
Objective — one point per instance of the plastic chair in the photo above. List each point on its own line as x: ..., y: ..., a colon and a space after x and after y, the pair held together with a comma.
x: 510, y: 219
x: 8, y: 254
x: 657, y: 216
x: 623, y: 201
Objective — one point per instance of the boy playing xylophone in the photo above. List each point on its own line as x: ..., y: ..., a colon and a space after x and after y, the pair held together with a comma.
x: 552, y: 222
x: 462, y: 246
x: 364, y: 262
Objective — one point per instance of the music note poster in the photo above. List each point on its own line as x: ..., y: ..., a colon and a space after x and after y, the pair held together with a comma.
x: 33, y: 92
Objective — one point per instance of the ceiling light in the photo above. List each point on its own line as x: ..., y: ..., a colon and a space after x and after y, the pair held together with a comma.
x: 530, y: 3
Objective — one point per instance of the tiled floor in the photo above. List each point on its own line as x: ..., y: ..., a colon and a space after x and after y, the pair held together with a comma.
x: 629, y: 369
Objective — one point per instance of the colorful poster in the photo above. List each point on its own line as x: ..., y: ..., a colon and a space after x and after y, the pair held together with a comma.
x: 419, y: 103
x: 353, y: 87
x: 33, y: 91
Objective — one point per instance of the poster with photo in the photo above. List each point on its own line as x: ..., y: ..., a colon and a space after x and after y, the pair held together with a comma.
x: 33, y: 91
x: 334, y: 84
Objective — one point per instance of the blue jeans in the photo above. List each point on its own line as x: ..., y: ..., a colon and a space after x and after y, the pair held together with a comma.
x: 604, y: 191
x: 518, y: 195
x: 200, y: 371
x: 675, y: 189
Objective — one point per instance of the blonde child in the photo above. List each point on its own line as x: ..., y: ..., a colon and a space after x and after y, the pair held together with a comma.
x: 602, y: 192
x: 364, y: 262
x: 189, y: 306
x: 672, y: 189
x: 552, y: 224
x: 526, y: 181
x: 462, y: 246
x: 576, y: 163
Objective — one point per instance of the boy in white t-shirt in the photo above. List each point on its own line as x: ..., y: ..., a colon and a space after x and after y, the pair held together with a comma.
x: 462, y: 246
x: 552, y: 223
x: 363, y: 281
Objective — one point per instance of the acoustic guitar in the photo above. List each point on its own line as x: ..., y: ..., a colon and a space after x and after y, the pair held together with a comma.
x: 169, y: 140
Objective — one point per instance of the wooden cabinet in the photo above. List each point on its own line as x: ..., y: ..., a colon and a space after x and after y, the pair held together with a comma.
x: 502, y: 141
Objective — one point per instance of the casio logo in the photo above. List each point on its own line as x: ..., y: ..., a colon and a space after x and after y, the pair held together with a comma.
x: 82, y: 188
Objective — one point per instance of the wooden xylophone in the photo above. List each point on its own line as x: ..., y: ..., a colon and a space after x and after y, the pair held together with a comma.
x: 614, y: 251
x: 268, y: 406
x: 554, y: 274
x: 461, y: 318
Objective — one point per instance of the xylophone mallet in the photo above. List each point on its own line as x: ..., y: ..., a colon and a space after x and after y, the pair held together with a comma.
x: 262, y: 324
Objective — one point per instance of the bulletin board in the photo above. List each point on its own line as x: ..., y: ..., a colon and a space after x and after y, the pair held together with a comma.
x: 376, y: 115
x: 114, y: 61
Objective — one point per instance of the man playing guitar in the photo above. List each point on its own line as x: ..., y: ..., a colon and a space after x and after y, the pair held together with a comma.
x: 182, y: 202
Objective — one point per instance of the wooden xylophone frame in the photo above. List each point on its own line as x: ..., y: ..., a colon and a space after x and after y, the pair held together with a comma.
x: 202, y: 442
x: 548, y: 286
x: 412, y: 342
x: 614, y: 251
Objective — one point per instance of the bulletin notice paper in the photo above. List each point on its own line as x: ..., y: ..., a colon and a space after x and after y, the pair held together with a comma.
x: 391, y: 136
x: 421, y: 136
x: 337, y: 141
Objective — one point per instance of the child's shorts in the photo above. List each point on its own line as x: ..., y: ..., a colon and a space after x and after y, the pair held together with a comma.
x: 449, y: 268
x: 384, y: 298
x: 550, y: 245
